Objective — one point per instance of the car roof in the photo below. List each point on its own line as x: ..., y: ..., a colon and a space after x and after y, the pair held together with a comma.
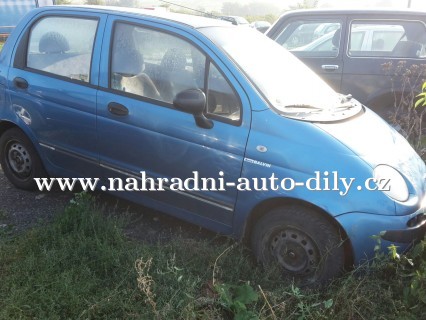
x: 184, y: 19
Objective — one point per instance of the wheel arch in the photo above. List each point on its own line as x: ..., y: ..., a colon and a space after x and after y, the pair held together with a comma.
x: 6, y: 125
x: 267, y: 205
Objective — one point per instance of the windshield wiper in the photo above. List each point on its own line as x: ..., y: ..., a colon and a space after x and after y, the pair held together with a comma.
x: 346, y: 98
x: 303, y: 106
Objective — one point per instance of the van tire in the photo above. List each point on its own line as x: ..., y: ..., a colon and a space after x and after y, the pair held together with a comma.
x: 304, y: 246
x: 19, y: 159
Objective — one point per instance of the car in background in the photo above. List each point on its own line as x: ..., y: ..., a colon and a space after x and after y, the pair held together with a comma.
x: 325, y: 28
x: 235, y: 20
x: 12, y: 11
x: 212, y: 123
x: 261, y: 26
x: 352, y: 57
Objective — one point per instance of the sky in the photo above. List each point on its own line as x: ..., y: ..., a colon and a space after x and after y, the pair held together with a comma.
x: 284, y: 4
x: 415, y: 4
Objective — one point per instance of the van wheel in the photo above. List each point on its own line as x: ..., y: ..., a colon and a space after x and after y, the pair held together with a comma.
x: 19, y: 159
x: 305, y: 247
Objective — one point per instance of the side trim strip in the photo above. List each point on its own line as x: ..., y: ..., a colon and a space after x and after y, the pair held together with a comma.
x: 184, y: 193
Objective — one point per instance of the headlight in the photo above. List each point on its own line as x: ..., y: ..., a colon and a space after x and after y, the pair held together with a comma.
x: 396, y: 187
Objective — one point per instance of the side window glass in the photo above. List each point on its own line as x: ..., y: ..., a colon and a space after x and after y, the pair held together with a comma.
x: 62, y: 46
x: 154, y: 64
x: 312, y: 38
x: 404, y: 39
x: 222, y: 100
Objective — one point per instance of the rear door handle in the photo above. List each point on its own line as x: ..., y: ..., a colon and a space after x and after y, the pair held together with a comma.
x: 20, y: 83
x: 330, y: 67
x: 118, y: 109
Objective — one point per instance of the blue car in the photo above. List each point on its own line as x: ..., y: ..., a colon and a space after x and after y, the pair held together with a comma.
x: 215, y: 124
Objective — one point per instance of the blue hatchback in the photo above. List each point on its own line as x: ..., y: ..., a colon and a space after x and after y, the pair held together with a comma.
x: 220, y: 126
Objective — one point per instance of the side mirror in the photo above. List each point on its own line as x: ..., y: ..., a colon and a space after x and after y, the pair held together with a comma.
x: 193, y: 101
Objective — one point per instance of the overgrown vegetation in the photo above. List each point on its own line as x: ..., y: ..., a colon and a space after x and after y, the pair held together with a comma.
x: 408, y: 112
x: 83, y: 267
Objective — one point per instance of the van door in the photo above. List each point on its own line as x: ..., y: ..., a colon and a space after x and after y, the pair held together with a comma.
x: 379, y: 52
x: 140, y: 130
x: 317, y: 42
x: 53, y: 81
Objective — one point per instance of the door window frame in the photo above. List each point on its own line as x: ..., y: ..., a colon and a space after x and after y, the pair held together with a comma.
x: 161, y: 103
x: 21, y: 53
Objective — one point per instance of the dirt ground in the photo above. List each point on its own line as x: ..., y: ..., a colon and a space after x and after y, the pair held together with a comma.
x: 21, y: 210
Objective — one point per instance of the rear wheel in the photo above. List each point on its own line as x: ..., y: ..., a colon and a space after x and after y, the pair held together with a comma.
x: 306, y: 247
x: 19, y: 159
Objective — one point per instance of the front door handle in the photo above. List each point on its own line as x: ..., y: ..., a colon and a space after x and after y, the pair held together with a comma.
x: 20, y: 83
x: 118, y: 109
x: 330, y: 67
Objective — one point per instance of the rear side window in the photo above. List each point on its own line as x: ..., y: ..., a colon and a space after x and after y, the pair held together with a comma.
x: 312, y: 38
x: 400, y: 39
x: 62, y: 46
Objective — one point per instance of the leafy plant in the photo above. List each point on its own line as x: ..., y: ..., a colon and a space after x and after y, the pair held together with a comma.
x: 413, y: 268
x: 236, y: 298
x: 421, y: 97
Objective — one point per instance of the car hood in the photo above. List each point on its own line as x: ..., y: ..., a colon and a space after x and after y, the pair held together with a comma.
x: 376, y: 142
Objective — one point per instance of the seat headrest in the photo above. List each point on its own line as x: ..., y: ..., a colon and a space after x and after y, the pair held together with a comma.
x: 174, y: 59
x: 336, y: 38
x: 127, y: 61
x: 53, y: 42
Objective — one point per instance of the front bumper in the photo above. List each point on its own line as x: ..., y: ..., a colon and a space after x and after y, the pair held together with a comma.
x: 401, y: 231
x: 414, y: 233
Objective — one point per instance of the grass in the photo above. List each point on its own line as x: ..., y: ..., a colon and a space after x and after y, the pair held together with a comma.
x: 82, y: 266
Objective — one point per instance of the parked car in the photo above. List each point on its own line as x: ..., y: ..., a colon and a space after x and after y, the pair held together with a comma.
x: 236, y: 20
x: 325, y: 28
x: 12, y: 11
x: 352, y: 57
x: 261, y: 26
x: 151, y: 98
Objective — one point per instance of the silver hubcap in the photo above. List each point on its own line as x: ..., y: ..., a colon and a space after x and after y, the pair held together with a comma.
x: 295, y: 251
x: 19, y: 160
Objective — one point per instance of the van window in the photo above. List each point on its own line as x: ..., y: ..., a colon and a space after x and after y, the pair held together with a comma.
x: 405, y: 39
x: 312, y: 38
x: 62, y: 46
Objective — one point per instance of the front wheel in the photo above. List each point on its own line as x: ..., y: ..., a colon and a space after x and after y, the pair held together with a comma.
x: 19, y: 159
x: 304, y: 245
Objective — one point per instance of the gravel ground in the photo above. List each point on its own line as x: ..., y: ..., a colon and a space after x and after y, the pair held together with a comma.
x: 21, y: 210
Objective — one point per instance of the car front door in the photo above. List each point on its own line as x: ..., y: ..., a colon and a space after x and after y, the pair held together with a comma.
x: 317, y: 42
x: 140, y: 130
x: 52, y: 87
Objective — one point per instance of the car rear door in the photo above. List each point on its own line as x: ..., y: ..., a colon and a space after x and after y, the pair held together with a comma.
x: 317, y: 41
x: 53, y: 82
x: 146, y: 64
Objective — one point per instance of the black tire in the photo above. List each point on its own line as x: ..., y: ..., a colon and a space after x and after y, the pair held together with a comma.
x: 19, y: 159
x: 306, y: 247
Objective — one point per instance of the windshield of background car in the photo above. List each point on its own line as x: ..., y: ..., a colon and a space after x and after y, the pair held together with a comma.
x: 289, y: 86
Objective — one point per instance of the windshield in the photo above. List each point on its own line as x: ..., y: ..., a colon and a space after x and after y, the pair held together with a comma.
x: 286, y: 82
